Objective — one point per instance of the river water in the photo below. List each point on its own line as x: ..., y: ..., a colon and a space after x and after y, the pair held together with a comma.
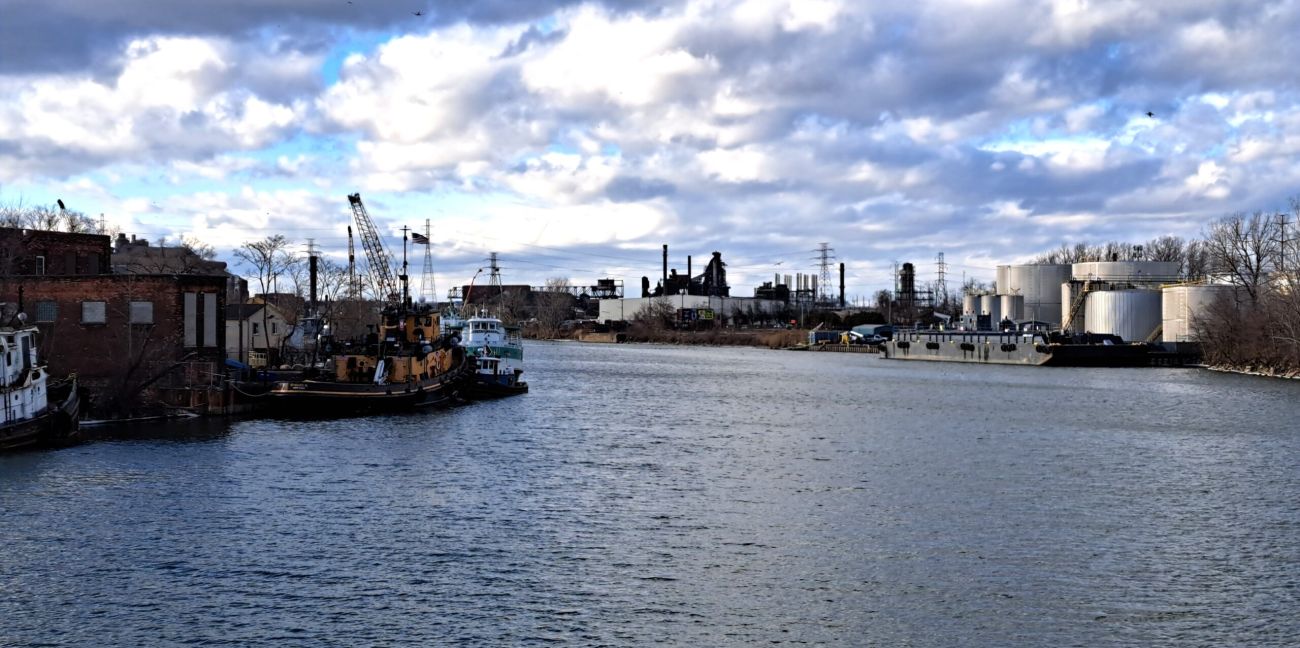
x: 646, y: 495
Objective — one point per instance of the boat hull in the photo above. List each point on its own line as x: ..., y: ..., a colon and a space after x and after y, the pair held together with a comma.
x: 487, y: 386
x: 1012, y: 349
x: 313, y: 398
x: 55, y: 426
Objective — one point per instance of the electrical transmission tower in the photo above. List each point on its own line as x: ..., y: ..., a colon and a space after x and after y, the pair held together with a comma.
x: 825, y: 255
x: 428, y: 290
x: 941, y: 284
x: 494, y: 279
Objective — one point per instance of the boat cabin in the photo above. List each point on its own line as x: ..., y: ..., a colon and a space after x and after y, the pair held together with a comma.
x: 22, y: 394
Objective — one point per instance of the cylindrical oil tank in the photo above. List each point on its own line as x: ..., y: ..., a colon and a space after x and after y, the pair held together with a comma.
x: 989, y: 305
x: 1131, y: 314
x: 1003, y: 286
x: 1012, y: 306
x: 1182, y: 305
x: 1040, y: 285
x: 970, y: 304
x: 1140, y: 271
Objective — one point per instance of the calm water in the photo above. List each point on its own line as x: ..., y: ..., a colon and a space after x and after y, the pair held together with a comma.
x: 645, y: 495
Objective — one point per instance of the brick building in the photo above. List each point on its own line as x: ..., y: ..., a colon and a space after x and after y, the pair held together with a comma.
x: 128, y: 337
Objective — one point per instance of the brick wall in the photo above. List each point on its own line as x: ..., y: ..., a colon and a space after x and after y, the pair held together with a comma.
x: 113, y: 356
x: 37, y: 252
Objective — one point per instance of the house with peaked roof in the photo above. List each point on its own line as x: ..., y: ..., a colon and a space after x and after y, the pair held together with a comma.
x: 255, y: 333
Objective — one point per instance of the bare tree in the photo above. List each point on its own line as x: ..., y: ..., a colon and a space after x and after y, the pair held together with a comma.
x: 268, y: 258
x: 1245, y: 248
x: 198, y: 248
x: 554, y: 305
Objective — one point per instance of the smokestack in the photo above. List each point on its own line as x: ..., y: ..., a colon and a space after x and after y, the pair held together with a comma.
x: 841, y: 285
x: 311, y: 264
x: 665, y: 284
x: 688, y: 267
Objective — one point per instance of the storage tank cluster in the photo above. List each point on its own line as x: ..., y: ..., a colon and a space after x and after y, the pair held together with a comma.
x: 1024, y: 292
x: 1120, y: 298
x: 1129, y: 299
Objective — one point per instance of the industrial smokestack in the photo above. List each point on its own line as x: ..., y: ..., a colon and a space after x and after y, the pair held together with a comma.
x: 688, y: 267
x: 665, y: 284
x: 841, y: 285
x: 311, y: 264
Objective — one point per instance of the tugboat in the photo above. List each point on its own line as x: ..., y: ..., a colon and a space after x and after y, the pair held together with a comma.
x: 498, y: 352
x: 406, y: 365
x: 29, y: 420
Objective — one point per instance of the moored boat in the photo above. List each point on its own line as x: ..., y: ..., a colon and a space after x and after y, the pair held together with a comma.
x: 498, y: 354
x: 37, y: 412
x: 407, y: 364
x: 1016, y: 347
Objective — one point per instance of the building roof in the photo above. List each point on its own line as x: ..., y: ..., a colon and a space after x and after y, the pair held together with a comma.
x: 237, y: 312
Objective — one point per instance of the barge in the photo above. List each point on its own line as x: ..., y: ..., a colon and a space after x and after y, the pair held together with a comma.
x: 1017, y: 348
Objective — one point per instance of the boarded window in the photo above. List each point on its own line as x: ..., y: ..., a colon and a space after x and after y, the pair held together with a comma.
x: 93, y: 312
x: 47, y: 311
x: 70, y: 263
x: 141, y: 312
x: 40, y: 265
x: 209, y: 319
x: 92, y: 264
x: 191, y: 319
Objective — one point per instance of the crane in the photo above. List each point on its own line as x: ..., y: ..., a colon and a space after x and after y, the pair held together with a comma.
x: 381, y: 268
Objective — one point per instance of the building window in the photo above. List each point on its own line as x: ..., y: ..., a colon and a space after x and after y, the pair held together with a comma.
x: 93, y: 312
x: 141, y: 312
x: 254, y: 328
x: 47, y: 311
x: 40, y: 264
x: 275, y: 328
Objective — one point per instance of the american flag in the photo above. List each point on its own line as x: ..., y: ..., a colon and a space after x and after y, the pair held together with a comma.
x: 419, y: 239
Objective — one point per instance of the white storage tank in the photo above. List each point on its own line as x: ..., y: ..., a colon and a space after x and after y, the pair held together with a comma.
x: 1141, y: 271
x: 1040, y: 285
x: 970, y: 304
x: 1131, y: 314
x: 1012, y: 306
x: 1003, y: 280
x: 1068, y: 292
x: 989, y: 305
x: 1181, y: 305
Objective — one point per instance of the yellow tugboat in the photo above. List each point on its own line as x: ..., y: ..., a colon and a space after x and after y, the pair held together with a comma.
x: 406, y: 363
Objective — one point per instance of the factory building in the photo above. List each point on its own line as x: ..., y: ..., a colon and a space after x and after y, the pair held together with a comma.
x: 708, y: 295
x: 720, y: 308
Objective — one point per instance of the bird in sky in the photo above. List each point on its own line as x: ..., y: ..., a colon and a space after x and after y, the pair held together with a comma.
x: 418, y: 13
x: 1150, y: 114
x: 60, y: 201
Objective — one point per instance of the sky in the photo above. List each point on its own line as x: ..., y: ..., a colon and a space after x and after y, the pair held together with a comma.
x: 576, y: 138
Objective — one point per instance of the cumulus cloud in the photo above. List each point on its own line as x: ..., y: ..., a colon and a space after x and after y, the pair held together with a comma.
x: 749, y: 126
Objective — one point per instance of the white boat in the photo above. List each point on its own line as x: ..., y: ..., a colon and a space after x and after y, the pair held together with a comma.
x: 499, y: 351
x: 29, y: 420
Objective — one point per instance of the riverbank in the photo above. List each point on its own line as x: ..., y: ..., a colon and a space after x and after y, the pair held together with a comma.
x: 762, y: 338
x: 1292, y: 374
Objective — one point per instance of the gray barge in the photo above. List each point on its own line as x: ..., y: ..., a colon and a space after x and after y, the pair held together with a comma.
x: 1017, y: 347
